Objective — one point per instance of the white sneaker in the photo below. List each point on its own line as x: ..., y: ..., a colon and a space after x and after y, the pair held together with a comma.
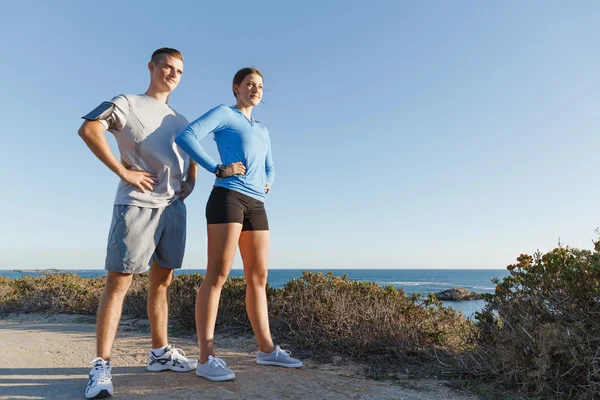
x: 171, y: 359
x: 215, y: 369
x: 100, y: 380
x: 278, y: 357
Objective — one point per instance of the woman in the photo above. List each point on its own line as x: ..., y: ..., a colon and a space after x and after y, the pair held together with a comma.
x: 236, y: 216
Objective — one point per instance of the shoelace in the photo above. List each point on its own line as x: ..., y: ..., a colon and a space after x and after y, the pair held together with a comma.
x: 217, y: 362
x: 178, y: 352
x: 279, y: 350
x: 102, y: 370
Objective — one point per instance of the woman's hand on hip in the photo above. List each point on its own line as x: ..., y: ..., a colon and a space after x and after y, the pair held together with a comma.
x: 236, y: 168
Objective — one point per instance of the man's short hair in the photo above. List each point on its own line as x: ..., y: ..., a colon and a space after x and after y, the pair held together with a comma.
x: 165, y: 51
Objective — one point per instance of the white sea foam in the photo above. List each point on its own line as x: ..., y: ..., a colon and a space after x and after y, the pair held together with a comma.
x: 414, y: 283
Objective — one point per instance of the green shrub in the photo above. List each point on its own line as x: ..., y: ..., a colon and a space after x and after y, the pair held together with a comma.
x: 540, y: 331
x: 183, y: 297
x: 52, y: 293
x: 317, y: 313
x: 232, y: 315
x: 135, y: 303
x: 333, y: 315
x: 5, y: 288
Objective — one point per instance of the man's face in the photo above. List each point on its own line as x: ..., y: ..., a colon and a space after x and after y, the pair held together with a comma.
x: 166, y: 73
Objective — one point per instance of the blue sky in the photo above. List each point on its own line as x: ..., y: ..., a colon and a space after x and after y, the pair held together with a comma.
x: 404, y: 134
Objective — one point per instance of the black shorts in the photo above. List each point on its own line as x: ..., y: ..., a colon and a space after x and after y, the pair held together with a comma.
x: 225, y: 205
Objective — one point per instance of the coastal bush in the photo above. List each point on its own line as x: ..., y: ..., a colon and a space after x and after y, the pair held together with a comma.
x: 334, y: 315
x: 66, y: 294
x: 540, y: 331
x: 72, y: 294
x: 182, y: 299
x: 320, y: 313
x: 232, y: 305
x: 52, y: 293
x: 5, y: 288
x: 135, y: 303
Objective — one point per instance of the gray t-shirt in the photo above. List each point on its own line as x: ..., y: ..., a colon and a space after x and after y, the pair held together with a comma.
x: 145, y: 129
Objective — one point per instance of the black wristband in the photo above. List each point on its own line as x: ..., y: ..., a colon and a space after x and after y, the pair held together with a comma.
x: 220, y: 169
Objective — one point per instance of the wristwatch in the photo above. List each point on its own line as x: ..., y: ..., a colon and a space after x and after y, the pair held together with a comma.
x: 220, y: 169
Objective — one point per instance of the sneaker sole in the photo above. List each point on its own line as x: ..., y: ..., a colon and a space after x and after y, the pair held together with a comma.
x: 101, y: 395
x: 218, y: 378
x: 160, y: 368
x: 278, y: 364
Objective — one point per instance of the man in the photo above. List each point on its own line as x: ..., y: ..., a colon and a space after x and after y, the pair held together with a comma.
x: 148, y: 227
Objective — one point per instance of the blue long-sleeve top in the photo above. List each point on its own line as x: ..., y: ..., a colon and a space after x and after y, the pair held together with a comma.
x: 238, y: 139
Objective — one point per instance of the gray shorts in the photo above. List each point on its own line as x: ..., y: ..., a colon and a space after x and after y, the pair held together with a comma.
x: 140, y: 235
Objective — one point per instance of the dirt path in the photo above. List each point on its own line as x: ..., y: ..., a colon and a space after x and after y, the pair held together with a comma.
x: 47, y: 358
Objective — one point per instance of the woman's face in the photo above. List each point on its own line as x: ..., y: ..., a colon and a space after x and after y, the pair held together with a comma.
x: 250, y: 91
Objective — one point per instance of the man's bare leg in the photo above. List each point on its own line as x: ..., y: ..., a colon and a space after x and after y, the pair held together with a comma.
x: 158, y: 304
x: 109, y: 311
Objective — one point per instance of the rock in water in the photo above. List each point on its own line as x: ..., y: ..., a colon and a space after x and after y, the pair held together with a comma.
x: 457, y: 294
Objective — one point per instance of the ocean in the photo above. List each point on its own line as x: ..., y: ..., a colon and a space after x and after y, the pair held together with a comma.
x: 411, y: 280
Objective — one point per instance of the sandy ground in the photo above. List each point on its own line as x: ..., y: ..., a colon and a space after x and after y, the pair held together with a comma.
x: 47, y: 358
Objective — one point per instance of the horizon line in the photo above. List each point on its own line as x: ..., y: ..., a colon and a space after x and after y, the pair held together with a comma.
x: 270, y: 269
